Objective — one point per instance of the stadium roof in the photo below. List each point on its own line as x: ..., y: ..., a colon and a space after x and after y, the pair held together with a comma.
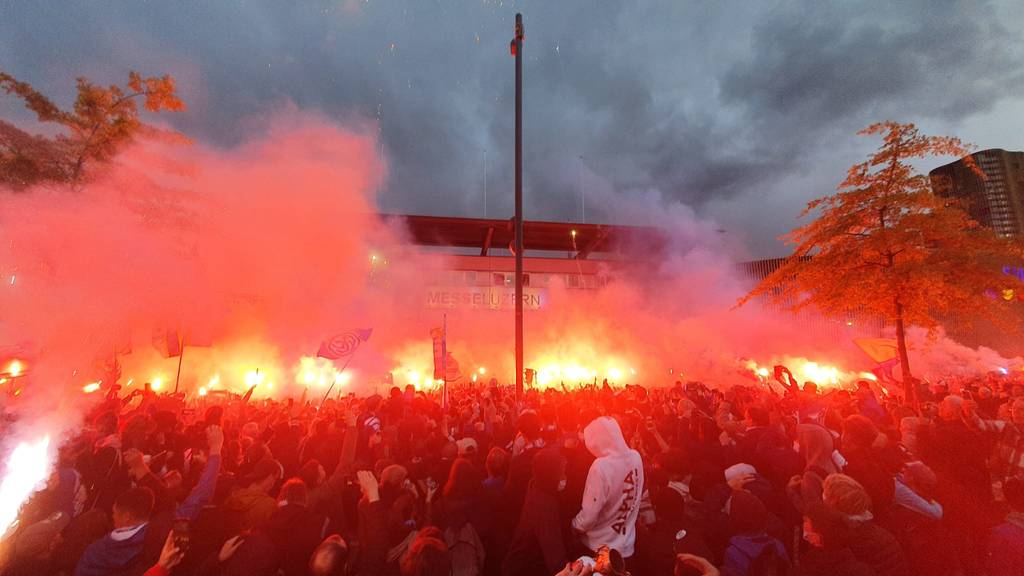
x: 484, y: 234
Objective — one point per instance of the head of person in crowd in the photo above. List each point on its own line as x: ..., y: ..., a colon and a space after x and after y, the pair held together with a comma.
x: 313, y: 473
x: 133, y: 507
x: 464, y: 481
x: 847, y: 496
x: 816, y: 445
x: 330, y: 557
x: 548, y: 470
x: 428, y: 556
x: 951, y: 408
x: 293, y: 492
x: 529, y: 426
x: 497, y: 463
x: 264, y: 476
x: 859, y: 432
x: 747, y: 514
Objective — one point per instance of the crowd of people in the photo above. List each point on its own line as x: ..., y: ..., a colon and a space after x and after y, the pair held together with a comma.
x: 763, y: 479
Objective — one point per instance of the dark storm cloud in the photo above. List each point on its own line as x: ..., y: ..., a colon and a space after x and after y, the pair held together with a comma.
x: 944, y: 59
x: 717, y: 105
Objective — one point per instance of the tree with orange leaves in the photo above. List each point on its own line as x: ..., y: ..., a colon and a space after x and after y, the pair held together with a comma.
x: 884, y: 244
x: 99, y: 125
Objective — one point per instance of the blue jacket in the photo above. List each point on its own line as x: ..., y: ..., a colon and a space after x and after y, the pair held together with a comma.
x: 744, y: 549
x: 110, y: 557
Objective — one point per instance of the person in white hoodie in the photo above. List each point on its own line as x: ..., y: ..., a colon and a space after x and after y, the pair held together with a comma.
x: 615, y: 484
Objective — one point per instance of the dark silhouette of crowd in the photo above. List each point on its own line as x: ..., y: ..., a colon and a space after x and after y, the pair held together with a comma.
x: 759, y: 479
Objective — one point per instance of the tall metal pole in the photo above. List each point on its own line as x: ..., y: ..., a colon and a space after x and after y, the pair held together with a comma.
x: 181, y: 356
x: 517, y: 50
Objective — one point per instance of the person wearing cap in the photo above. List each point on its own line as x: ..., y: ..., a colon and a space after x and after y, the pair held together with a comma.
x: 467, y: 448
x: 751, y: 550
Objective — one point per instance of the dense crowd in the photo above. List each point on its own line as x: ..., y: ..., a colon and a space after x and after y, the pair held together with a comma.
x: 762, y: 479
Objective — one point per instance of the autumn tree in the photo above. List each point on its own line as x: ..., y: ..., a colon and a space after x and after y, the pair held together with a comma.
x: 884, y: 244
x: 100, y: 124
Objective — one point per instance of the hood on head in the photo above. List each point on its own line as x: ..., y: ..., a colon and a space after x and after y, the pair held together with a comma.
x: 548, y: 469
x: 603, y: 437
x: 817, y: 446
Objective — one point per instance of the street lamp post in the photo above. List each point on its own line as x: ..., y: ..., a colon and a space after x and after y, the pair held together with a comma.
x: 517, y: 51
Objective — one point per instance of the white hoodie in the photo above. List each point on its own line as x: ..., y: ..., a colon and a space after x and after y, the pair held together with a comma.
x: 615, y: 483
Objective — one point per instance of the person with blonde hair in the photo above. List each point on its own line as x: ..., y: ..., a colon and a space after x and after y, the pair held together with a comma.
x: 869, y: 542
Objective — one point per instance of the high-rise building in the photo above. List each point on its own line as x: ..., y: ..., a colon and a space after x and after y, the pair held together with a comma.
x: 996, y: 201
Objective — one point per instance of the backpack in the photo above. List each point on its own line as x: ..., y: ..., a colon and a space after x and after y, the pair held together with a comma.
x: 768, y: 563
x: 466, y: 549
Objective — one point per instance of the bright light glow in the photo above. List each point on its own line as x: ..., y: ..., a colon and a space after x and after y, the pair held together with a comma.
x: 615, y: 374
x: 820, y: 374
x: 868, y: 376
x: 91, y: 387
x: 156, y: 383
x: 26, y: 471
x: 15, y: 368
x: 412, y: 377
x: 342, y: 378
x: 319, y: 371
x: 762, y: 372
x: 214, y: 381
x: 573, y: 233
x: 12, y: 279
x: 482, y: 370
x: 1004, y: 371
x: 130, y: 381
x: 632, y: 371
x: 474, y: 377
x: 202, y: 391
x: 253, y: 378
x: 576, y: 373
x: 269, y: 385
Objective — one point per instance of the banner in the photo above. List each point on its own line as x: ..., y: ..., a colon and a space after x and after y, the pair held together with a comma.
x: 167, y: 342
x: 483, y: 298
x: 453, y: 373
x: 437, y: 335
x: 343, y: 345
x: 879, y: 349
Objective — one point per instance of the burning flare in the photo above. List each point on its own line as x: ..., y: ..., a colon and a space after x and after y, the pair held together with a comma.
x: 27, y: 469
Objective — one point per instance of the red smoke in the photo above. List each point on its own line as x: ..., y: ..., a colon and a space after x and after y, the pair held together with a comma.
x: 265, y: 249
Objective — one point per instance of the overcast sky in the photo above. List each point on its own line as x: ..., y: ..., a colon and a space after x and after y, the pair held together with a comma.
x: 743, y: 111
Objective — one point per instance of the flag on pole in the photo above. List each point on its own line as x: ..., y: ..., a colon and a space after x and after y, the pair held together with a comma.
x: 879, y: 349
x: 438, y: 336
x: 343, y: 345
x: 884, y: 371
x: 171, y: 342
x: 167, y: 341
x: 452, y: 374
